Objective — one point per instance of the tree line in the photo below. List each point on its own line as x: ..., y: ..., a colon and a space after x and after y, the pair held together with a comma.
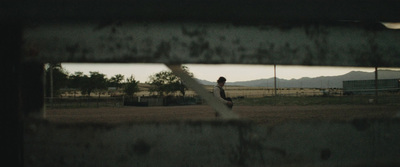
x: 163, y: 83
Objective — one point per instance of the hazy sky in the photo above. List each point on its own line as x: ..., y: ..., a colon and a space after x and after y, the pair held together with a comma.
x: 233, y: 73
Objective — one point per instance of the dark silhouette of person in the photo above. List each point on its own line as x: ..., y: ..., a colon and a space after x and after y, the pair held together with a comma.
x: 219, y: 92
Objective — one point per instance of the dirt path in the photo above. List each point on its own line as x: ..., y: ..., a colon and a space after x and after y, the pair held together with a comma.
x: 258, y: 114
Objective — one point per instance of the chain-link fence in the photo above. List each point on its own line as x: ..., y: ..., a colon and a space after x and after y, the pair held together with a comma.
x: 84, y: 101
x: 321, y: 100
x: 241, y: 97
x: 264, y: 92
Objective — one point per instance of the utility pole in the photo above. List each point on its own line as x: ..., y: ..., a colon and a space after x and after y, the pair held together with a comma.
x: 376, y: 84
x: 275, y: 78
x: 51, y: 66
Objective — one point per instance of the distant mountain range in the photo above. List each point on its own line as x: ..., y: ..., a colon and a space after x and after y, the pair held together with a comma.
x: 318, y: 82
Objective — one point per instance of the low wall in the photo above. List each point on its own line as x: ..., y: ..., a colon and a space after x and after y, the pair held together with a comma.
x: 213, y: 143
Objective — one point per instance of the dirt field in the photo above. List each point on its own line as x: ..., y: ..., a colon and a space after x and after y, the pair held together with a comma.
x: 259, y: 114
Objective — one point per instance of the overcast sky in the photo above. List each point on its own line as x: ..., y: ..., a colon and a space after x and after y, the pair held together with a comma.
x: 233, y: 73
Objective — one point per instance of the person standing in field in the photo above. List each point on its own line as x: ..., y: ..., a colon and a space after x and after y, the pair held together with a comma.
x: 219, y: 92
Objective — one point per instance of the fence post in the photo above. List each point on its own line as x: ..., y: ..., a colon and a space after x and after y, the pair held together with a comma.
x: 376, y: 85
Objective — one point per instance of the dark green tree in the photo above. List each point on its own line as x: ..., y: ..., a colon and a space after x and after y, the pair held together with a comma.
x: 79, y: 81
x: 75, y: 80
x: 97, y: 83
x: 56, y: 78
x: 165, y: 83
x: 131, y: 86
x: 182, y: 87
x: 162, y: 82
x: 116, y: 81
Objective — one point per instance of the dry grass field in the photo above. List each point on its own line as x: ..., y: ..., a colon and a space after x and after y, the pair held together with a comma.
x: 231, y: 91
x: 253, y: 92
x: 269, y: 115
